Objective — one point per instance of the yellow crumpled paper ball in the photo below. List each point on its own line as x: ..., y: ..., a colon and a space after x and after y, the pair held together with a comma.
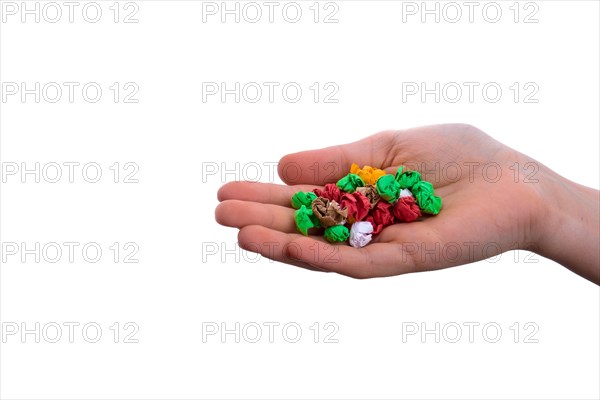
x: 367, y: 173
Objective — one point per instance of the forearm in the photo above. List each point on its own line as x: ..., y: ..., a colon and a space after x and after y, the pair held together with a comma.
x: 569, y: 227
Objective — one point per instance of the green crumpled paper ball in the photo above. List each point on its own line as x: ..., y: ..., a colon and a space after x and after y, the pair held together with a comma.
x: 407, y: 179
x: 337, y: 233
x: 388, y: 188
x: 303, y: 199
x: 305, y: 219
x: 350, y: 182
x: 426, y: 199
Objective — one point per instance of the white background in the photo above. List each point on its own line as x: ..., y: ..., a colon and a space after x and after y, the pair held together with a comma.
x: 181, y: 281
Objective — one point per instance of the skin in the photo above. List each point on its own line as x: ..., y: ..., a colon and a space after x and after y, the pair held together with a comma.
x: 484, y: 212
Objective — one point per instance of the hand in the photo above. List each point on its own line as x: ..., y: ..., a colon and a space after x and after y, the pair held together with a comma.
x: 495, y: 199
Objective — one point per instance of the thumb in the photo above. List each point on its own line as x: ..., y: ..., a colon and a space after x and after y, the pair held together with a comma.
x: 318, y: 167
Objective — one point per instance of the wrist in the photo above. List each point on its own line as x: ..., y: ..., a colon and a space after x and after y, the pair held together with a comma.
x: 567, y: 224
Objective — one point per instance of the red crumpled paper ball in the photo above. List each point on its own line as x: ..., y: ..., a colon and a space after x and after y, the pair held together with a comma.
x: 358, y: 206
x: 406, y: 209
x: 330, y: 192
x: 381, y: 216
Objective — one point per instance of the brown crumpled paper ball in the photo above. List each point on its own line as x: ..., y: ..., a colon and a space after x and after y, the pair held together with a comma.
x: 370, y: 192
x: 329, y: 212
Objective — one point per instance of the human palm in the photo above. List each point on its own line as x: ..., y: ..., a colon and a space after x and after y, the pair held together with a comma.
x: 489, y: 191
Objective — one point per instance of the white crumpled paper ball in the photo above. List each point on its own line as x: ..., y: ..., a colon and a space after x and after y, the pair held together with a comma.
x: 360, y: 233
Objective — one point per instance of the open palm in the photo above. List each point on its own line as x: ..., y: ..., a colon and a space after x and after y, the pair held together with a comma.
x: 490, y: 203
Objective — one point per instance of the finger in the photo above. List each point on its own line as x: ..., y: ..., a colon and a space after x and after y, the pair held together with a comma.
x: 267, y: 246
x: 266, y: 193
x: 372, y: 261
x: 237, y: 214
x: 319, y: 167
